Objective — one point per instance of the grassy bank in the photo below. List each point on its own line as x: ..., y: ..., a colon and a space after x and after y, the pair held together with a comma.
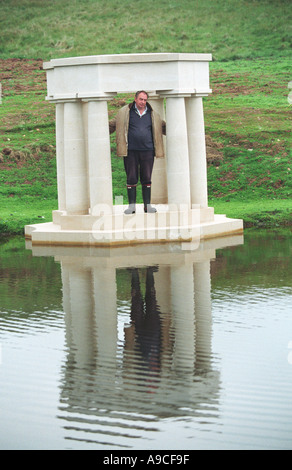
x: 247, y: 117
x: 228, y: 29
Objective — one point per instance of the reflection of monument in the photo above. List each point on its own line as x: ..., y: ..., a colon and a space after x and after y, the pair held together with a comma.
x: 148, y: 355
x: 80, y: 87
x: 145, y: 319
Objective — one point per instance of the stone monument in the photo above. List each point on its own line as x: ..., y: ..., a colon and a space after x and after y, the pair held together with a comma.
x: 80, y: 88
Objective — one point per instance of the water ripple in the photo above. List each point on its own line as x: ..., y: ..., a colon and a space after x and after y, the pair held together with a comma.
x: 150, y: 357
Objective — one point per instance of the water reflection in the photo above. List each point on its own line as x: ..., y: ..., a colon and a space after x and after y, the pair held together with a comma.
x: 145, y: 328
x: 138, y: 339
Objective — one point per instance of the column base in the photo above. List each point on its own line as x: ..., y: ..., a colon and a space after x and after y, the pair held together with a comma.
x: 168, y: 224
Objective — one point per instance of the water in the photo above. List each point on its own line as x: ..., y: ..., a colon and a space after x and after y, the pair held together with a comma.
x: 160, y: 347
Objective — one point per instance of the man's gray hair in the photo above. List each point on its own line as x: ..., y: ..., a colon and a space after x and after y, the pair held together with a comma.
x: 141, y: 91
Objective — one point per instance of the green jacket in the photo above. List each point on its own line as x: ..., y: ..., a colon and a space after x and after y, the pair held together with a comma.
x: 121, y: 125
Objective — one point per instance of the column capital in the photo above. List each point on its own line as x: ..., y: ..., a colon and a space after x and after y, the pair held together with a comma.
x: 175, y: 93
x: 61, y: 100
x: 201, y: 94
x: 154, y: 95
x: 96, y: 97
x: 187, y: 93
x: 74, y: 97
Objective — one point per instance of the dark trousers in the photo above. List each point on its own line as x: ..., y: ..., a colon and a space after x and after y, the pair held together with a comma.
x: 136, y: 162
x: 146, y: 317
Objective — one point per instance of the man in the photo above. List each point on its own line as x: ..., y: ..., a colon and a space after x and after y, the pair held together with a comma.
x: 139, y: 132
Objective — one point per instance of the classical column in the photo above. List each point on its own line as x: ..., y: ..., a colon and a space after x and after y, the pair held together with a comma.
x: 105, y: 306
x: 178, y: 176
x: 99, y: 156
x: 79, y: 314
x: 159, y: 177
x: 183, y: 311
x: 203, y: 309
x: 60, y: 156
x: 197, y: 150
x: 75, y: 159
x: 163, y: 297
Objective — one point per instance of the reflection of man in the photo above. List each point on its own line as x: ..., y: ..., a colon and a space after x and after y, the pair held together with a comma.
x: 139, y: 132
x: 145, y: 318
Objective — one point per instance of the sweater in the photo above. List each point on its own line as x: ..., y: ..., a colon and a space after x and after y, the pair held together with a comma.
x: 140, y: 131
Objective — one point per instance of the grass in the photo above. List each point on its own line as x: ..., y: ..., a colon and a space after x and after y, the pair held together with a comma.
x: 229, y: 29
x: 247, y: 117
x: 264, y: 213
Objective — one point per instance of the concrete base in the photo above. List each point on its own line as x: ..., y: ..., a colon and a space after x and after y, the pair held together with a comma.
x: 110, y: 226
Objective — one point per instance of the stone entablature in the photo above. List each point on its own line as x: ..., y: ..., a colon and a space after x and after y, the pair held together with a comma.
x: 105, y: 75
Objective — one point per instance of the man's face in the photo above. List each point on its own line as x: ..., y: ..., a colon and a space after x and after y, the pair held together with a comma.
x: 141, y: 101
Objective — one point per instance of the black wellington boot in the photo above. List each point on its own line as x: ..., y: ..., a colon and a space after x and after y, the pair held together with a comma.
x: 146, y: 193
x: 132, y: 200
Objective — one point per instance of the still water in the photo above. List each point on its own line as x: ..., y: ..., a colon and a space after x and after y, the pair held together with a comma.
x: 161, y: 347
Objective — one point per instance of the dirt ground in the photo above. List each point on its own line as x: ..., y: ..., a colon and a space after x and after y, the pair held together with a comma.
x: 19, y: 75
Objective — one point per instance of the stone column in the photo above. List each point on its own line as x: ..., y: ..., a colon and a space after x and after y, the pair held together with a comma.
x: 75, y: 160
x: 203, y: 309
x: 99, y: 156
x: 60, y: 156
x: 197, y: 150
x: 105, y: 306
x: 163, y: 296
x: 79, y: 314
x: 178, y: 175
x: 159, y: 177
x: 183, y: 311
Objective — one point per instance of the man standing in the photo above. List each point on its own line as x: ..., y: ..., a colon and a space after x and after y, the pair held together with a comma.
x: 139, y: 131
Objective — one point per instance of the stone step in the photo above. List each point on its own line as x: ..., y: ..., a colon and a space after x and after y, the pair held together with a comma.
x: 115, y: 219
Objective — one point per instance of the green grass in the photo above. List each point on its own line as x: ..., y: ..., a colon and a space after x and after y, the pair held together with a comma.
x: 247, y: 117
x: 15, y: 214
x: 228, y: 29
x: 265, y: 213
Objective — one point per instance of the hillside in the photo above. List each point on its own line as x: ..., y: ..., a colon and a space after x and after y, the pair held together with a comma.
x: 228, y: 29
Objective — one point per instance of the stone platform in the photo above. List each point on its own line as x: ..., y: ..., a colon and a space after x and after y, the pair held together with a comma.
x: 110, y: 227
